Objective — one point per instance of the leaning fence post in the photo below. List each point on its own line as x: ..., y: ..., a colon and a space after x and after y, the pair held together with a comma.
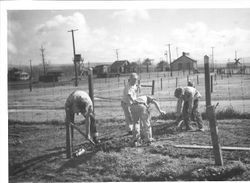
x: 153, y: 87
x: 68, y: 138
x: 210, y: 112
x: 91, y: 87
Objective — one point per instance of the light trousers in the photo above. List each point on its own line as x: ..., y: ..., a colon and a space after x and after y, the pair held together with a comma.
x: 128, y: 116
x: 141, y: 118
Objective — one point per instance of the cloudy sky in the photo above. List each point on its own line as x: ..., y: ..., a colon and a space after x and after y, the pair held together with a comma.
x: 136, y: 33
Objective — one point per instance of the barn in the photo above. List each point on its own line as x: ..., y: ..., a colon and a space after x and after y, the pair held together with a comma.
x: 101, y: 70
x: 120, y: 66
x: 184, y: 63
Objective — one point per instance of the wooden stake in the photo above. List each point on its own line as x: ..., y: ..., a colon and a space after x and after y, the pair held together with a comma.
x: 210, y: 111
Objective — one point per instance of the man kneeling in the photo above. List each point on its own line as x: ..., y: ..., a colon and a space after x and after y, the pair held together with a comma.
x: 80, y: 102
x: 140, y: 113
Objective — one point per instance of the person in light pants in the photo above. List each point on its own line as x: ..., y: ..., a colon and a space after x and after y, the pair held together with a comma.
x: 129, y: 95
x: 79, y: 102
x: 140, y: 113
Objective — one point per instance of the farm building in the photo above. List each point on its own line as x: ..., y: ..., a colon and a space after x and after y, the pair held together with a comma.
x: 17, y: 75
x: 51, y: 76
x: 184, y: 63
x: 101, y: 70
x: 120, y: 66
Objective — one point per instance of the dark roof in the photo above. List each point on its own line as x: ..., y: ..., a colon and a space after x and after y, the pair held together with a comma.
x: 103, y: 65
x: 182, y: 57
x: 119, y: 63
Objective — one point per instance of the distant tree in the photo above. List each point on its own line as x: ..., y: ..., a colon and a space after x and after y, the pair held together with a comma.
x: 162, y: 66
x: 134, y: 66
x: 147, y: 62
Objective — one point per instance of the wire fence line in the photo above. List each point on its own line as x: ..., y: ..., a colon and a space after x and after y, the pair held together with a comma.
x: 46, y: 100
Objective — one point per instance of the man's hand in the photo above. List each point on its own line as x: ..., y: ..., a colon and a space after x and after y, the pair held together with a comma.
x: 162, y: 113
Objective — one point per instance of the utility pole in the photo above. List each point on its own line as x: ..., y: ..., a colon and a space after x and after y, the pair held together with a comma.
x: 74, y: 52
x: 177, y: 52
x: 42, y: 50
x: 166, y: 54
x: 117, y: 54
x: 30, y: 76
x: 171, y: 74
x: 212, y: 58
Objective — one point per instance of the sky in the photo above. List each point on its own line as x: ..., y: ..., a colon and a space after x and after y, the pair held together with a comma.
x: 136, y: 33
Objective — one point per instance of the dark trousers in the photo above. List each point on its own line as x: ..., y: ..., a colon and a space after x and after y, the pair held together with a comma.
x: 195, y: 115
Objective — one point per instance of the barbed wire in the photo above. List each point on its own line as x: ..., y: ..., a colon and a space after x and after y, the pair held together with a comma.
x: 46, y: 101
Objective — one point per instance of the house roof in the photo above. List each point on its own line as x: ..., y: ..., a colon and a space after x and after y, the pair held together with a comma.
x: 184, y: 56
x: 119, y: 63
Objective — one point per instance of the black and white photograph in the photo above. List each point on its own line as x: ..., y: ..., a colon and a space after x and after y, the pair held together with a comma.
x: 125, y: 91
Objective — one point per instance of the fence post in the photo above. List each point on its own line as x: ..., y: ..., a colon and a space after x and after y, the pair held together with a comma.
x: 68, y: 138
x: 197, y: 79
x: 153, y: 87
x: 210, y: 111
x: 187, y: 78
x: 176, y: 82
x: 30, y: 84
x: 91, y: 87
x: 212, y: 84
x: 161, y: 83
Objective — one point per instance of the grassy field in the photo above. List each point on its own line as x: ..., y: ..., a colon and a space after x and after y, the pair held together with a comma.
x: 37, y: 153
x: 37, y: 135
x: 47, y: 103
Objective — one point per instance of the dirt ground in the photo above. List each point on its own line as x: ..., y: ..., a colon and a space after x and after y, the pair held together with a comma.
x: 37, y: 153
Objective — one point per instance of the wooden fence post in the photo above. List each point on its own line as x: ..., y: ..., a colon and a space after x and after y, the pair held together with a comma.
x: 161, y: 83
x: 197, y: 79
x: 153, y: 87
x: 91, y: 87
x: 212, y: 84
x: 30, y: 83
x: 210, y: 112
x: 68, y: 138
x: 187, y: 78
x: 176, y: 82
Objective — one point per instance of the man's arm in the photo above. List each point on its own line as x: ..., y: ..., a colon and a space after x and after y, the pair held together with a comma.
x: 178, y: 107
x: 157, y: 105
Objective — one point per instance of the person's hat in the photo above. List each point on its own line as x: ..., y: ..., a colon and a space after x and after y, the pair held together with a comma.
x: 133, y: 76
x: 178, y: 92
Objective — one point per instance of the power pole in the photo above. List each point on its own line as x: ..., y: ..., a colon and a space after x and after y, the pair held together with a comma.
x: 166, y: 54
x: 30, y: 76
x: 212, y: 58
x: 177, y: 52
x: 74, y: 52
x: 117, y: 54
x: 42, y: 50
x: 171, y: 74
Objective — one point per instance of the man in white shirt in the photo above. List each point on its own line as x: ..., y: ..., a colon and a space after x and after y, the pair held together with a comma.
x: 80, y: 102
x: 129, y: 95
x: 140, y: 113
x: 190, y: 96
